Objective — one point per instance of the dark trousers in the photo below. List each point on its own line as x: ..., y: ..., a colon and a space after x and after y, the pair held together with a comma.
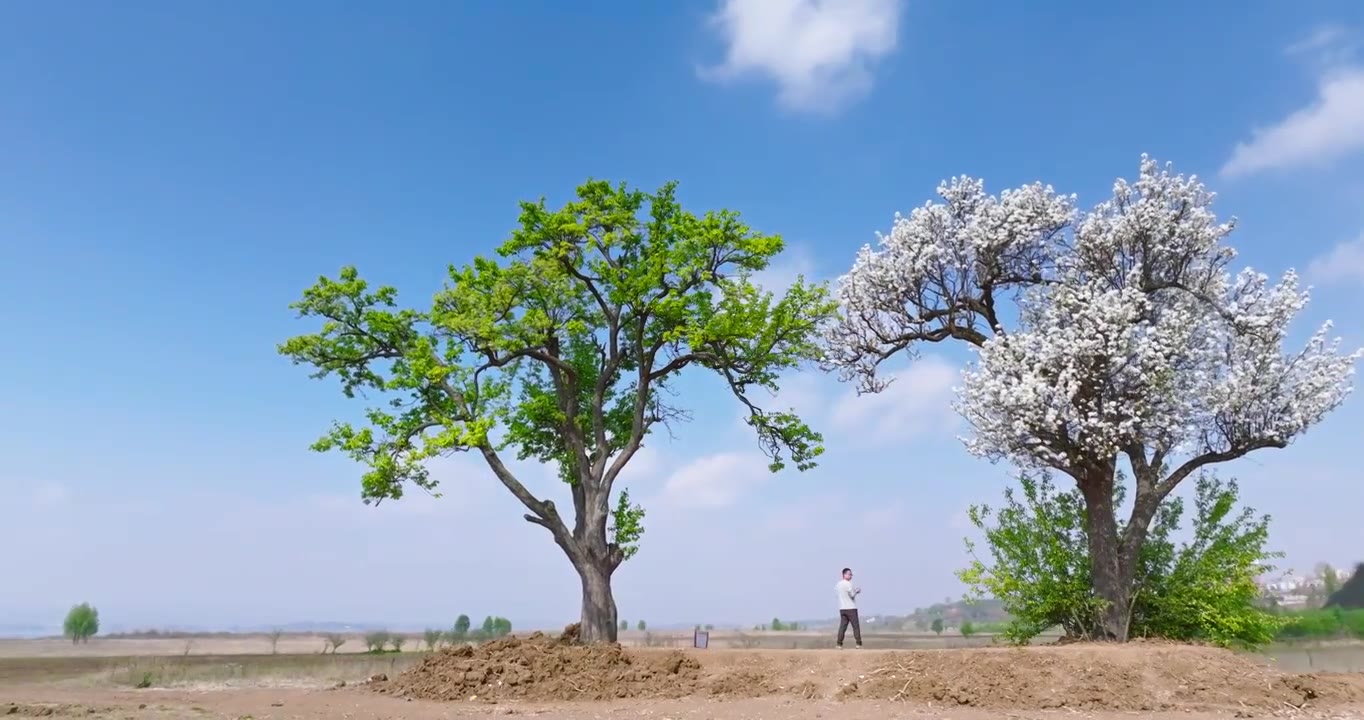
x: 846, y: 618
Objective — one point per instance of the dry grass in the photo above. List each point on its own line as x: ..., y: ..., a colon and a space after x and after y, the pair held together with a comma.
x: 212, y: 670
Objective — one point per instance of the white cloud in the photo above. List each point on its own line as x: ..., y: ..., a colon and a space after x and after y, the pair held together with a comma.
x: 1327, y: 46
x: 917, y: 401
x: 715, y: 481
x: 1344, y: 263
x: 820, y: 53
x: 1330, y: 128
x: 782, y: 274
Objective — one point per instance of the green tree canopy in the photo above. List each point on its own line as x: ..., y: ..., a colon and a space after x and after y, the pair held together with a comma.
x: 563, y: 349
x: 81, y: 624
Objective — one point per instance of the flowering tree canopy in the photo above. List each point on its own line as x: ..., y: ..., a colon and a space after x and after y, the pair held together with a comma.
x: 1127, y: 337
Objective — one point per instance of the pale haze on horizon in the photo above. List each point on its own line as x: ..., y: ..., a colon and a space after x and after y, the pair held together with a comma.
x: 174, y: 177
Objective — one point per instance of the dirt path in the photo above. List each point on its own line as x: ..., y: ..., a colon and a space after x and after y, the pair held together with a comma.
x: 361, y: 704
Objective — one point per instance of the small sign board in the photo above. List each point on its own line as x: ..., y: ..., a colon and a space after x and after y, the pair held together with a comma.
x: 700, y: 639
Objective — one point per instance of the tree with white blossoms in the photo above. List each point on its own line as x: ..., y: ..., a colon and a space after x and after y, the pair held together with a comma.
x: 1131, y: 342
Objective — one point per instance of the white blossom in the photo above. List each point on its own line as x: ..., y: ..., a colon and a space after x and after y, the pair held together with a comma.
x: 1127, y: 334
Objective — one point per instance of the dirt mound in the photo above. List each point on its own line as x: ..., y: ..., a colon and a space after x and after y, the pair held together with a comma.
x: 543, y: 668
x: 1137, y: 677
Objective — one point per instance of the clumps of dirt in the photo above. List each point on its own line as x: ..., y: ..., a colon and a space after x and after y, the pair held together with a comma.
x: 540, y: 667
x: 26, y: 710
x: 750, y: 683
x: 1136, y: 677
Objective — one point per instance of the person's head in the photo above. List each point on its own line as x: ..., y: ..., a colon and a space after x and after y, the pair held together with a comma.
x: 847, y: 573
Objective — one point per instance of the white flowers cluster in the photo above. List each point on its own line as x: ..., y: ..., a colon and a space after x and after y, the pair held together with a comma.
x: 1129, y: 333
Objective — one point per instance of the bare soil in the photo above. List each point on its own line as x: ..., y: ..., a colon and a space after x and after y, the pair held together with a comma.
x: 554, y: 677
x: 1137, y: 677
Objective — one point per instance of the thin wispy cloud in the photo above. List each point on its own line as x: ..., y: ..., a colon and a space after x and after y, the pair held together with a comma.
x: 1328, y: 129
x: 1342, y: 264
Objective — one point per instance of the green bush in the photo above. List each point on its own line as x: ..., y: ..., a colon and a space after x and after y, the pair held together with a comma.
x: 1203, y: 590
x: 81, y: 624
x: 1324, y: 624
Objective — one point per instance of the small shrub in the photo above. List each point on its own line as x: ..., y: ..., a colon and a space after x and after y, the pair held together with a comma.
x: 967, y: 629
x: 432, y: 638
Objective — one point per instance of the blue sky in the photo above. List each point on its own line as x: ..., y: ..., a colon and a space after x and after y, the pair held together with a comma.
x: 172, y: 176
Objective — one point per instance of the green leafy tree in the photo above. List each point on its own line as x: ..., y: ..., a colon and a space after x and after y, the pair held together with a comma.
x: 624, y: 625
x: 967, y: 628
x: 376, y: 640
x: 489, y: 627
x: 1203, y: 590
x: 641, y: 626
x: 502, y: 627
x: 936, y: 626
x: 461, y: 629
x: 81, y: 624
x: 564, y: 350
x: 776, y: 625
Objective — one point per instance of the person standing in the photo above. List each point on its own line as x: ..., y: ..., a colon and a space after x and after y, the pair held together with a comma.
x: 847, y: 608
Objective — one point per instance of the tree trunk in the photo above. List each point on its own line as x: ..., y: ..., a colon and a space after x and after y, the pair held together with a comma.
x: 1110, y: 573
x: 598, y: 622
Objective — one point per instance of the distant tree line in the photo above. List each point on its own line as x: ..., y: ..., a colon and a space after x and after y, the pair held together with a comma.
x: 778, y: 626
x: 381, y: 641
